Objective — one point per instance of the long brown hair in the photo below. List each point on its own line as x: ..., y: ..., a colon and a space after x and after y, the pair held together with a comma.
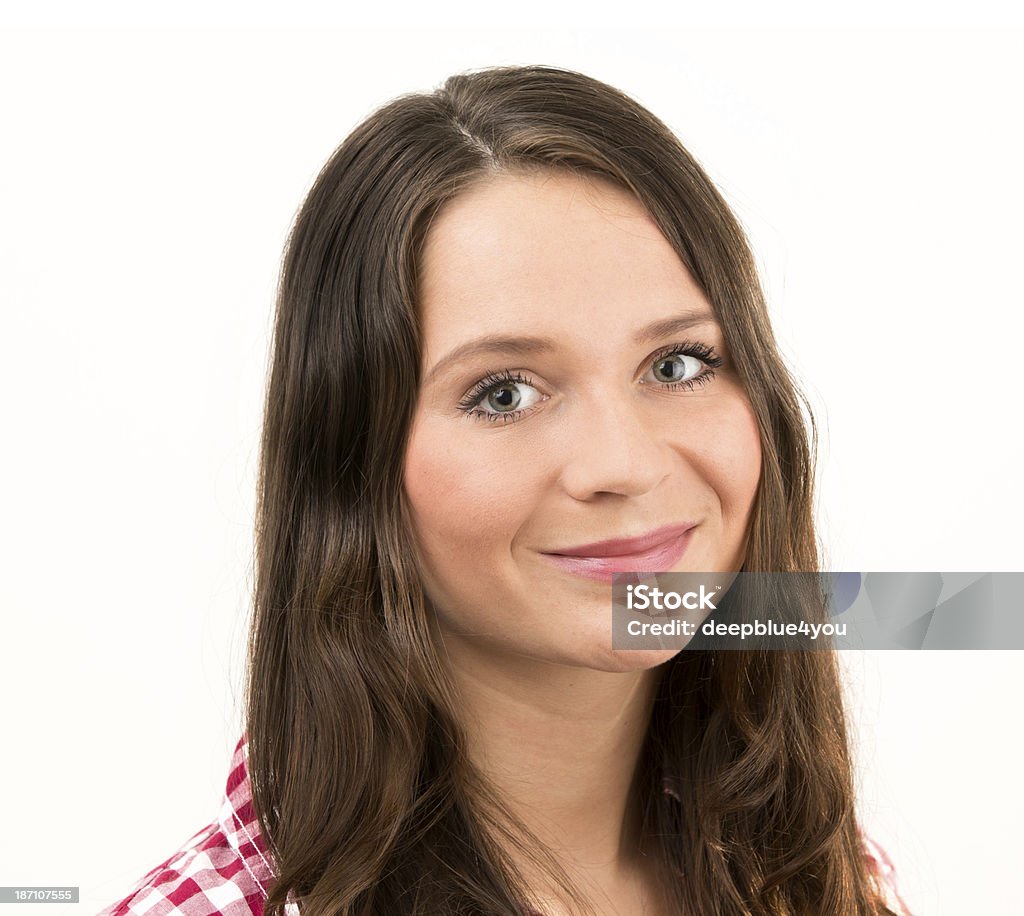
x: 360, y: 776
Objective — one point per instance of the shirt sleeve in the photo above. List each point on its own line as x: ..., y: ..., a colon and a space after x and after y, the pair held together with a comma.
x: 203, y: 878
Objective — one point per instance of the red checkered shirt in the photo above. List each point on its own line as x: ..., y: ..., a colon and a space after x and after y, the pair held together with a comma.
x: 225, y: 868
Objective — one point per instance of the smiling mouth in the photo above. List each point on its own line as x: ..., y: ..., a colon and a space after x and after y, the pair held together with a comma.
x: 657, y: 557
x: 630, y: 546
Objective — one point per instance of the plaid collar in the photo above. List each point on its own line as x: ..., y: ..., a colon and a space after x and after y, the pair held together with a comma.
x: 239, y: 824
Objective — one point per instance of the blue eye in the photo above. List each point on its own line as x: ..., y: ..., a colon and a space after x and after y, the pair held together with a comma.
x: 686, y: 365
x: 499, y: 392
x: 679, y: 366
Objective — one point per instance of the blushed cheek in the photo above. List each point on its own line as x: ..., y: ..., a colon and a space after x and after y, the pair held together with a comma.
x: 430, y: 487
x: 449, y: 497
x: 456, y: 503
x: 727, y: 455
x: 462, y: 524
x: 740, y: 461
x: 428, y: 479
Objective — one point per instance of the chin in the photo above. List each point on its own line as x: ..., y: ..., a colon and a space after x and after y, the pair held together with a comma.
x: 626, y: 660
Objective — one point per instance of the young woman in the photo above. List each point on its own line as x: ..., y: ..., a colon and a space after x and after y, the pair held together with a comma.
x: 520, y: 342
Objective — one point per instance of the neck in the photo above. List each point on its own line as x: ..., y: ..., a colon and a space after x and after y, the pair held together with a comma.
x: 561, y: 746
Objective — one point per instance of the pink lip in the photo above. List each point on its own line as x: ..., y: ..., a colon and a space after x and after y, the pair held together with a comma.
x: 621, y: 547
x: 658, y: 551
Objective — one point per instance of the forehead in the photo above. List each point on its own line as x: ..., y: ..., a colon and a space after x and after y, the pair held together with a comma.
x: 533, y: 251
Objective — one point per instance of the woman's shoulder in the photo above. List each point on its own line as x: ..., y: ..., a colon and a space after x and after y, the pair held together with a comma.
x: 223, y: 868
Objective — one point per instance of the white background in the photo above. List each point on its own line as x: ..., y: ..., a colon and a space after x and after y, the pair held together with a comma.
x: 148, y: 177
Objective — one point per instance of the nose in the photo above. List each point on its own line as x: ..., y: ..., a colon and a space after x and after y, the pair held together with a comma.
x: 613, y: 446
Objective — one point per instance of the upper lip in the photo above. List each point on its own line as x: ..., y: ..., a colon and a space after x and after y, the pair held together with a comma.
x: 619, y: 547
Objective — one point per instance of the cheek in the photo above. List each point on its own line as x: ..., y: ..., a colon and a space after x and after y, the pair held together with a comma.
x: 430, y: 479
x: 464, y: 502
x: 741, y: 456
x: 731, y: 458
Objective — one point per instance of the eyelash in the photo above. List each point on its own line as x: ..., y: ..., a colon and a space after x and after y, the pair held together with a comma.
x: 494, y: 380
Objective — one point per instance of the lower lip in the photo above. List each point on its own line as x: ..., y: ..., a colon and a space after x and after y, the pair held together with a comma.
x: 658, y: 559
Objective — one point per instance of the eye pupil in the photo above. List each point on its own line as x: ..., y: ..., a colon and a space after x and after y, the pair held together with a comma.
x: 672, y: 363
x: 504, y: 397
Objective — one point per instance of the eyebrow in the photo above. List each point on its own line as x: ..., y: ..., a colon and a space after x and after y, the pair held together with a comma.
x: 527, y: 345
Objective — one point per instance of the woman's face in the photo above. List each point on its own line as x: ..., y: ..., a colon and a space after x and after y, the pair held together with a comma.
x: 576, y: 388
